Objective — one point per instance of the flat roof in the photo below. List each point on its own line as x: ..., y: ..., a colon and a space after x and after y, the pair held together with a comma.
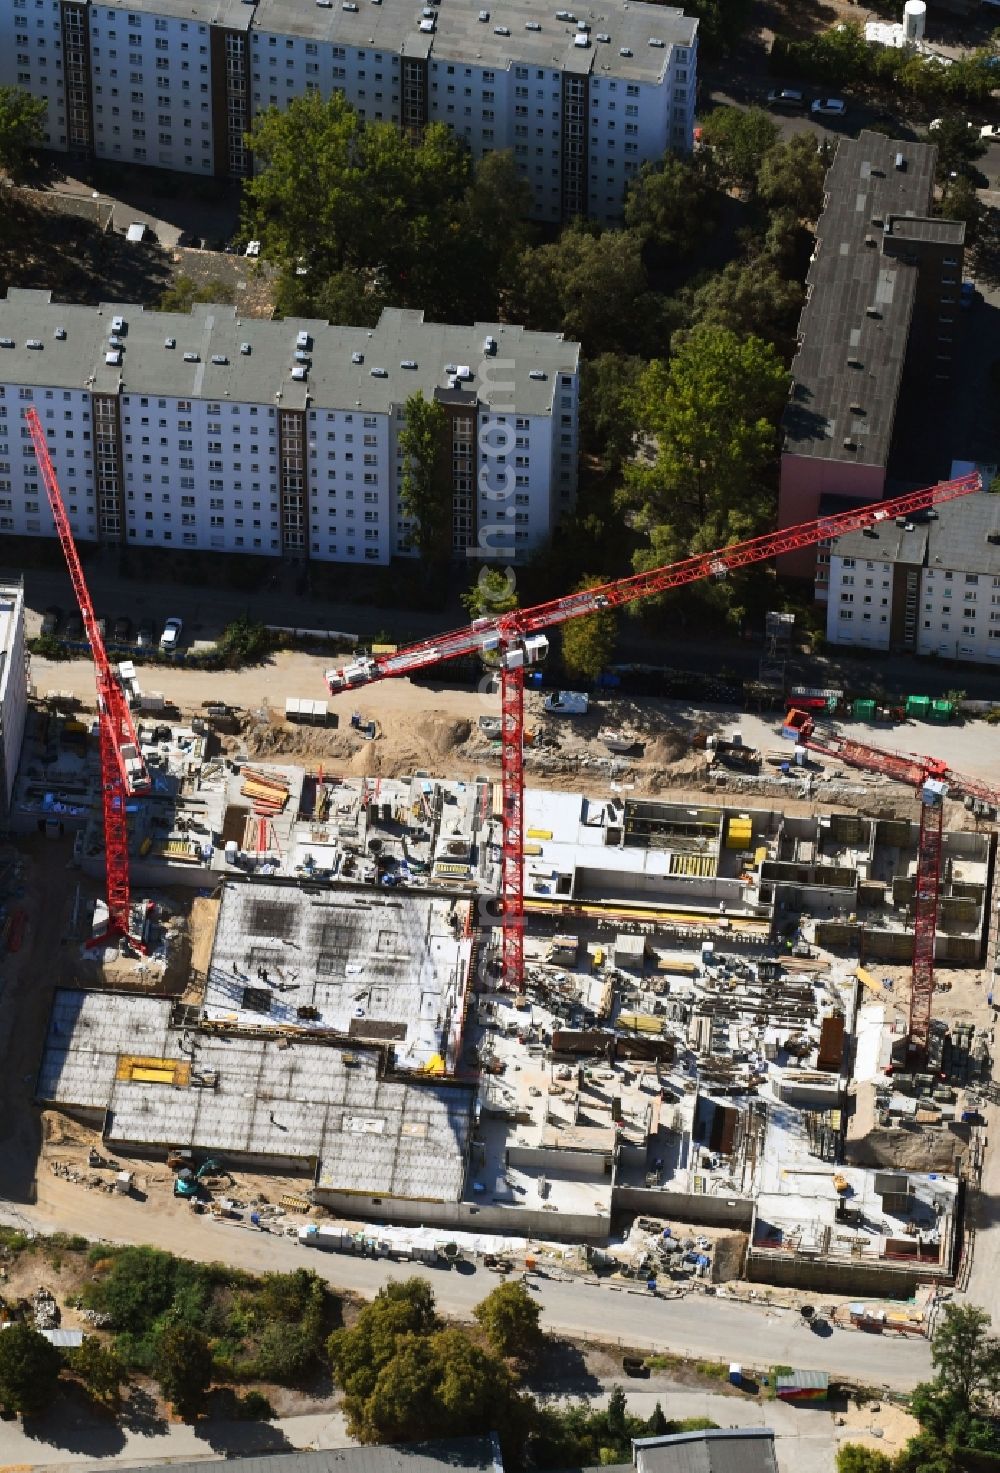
x: 846, y: 357
x: 459, y: 35
x: 278, y: 1098
x: 76, y: 360
x: 233, y: 15
x: 449, y: 1455
x: 386, y: 966
x: 719, y: 1450
x: 945, y: 232
x: 957, y: 539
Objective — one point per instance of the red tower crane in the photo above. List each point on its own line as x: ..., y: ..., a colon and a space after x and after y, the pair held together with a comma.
x: 516, y: 640
x: 935, y: 780
x: 123, y: 771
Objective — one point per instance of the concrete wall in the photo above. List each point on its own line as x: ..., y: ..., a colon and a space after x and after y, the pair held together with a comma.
x: 789, y: 1270
x: 569, y: 1164
x: 520, y: 1222
x: 734, y: 1212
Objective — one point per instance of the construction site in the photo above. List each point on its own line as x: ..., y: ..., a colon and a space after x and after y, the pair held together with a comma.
x: 498, y: 1013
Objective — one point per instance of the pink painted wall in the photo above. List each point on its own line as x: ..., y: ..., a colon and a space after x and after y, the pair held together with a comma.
x: 804, y: 480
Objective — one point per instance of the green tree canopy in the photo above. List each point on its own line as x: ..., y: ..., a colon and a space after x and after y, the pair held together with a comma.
x: 494, y: 592
x: 965, y: 1356
x: 673, y: 206
x: 592, y: 287
x: 588, y: 643
x: 182, y: 294
x: 791, y: 176
x: 183, y: 1367
x: 854, y: 1457
x: 29, y: 1370
x: 958, y: 146
x: 608, y: 422
x: 713, y: 412
x: 358, y: 1354
x: 138, y: 1286
x: 739, y: 139
x: 22, y: 129
x: 751, y: 297
x: 100, y: 1368
x: 425, y: 492
x: 509, y: 1317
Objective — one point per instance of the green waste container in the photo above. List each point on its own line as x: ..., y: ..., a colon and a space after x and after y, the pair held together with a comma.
x: 942, y: 711
x: 863, y: 710
x: 918, y: 707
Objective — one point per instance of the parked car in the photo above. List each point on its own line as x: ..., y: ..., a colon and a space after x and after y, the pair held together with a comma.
x: 51, y: 619
x: 144, y: 633
x: 787, y: 99
x: 829, y: 107
x: 122, y: 629
x: 171, y: 637
x: 967, y: 295
x: 989, y: 133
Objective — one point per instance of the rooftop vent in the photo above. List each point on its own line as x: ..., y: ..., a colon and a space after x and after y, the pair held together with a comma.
x: 878, y: 220
x: 379, y: 372
x: 302, y: 340
x: 501, y: 30
x: 220, y: 359
x: 6, y: 342
x: 849, y: 444
x: 537, y: 373
x: 657, y: 41
x: 245, y: 349
x: 191, y: 358
x: 117, y: 324
x: 873, y: 311
x: 114, y: 357
x: 899, y: 162
x: 61, y: 334
x: 857, y: 409
x: 855, y: 363
x: 870, y: 240
x: 34, y: 343
x: 357, y: 357
x: 170, y: 342
x: 624, y: 51
x: 532, y: 25
x: 408, y: 363
x: 299, y: 372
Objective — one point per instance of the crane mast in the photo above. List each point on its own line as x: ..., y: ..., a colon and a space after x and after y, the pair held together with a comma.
x: 516, y: 639
x: 935, y: 780
x: 123, y: 771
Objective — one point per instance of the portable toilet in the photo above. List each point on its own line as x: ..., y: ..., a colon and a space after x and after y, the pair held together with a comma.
x: 735, y: 1373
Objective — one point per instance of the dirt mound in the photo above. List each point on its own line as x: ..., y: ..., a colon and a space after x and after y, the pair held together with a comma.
x: 59, y: 1130
x: 671, y: 746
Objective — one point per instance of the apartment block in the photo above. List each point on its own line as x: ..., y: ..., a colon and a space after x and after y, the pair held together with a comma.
x: 13, y: 688
x: 882, y: 297
x: 581, y: 98
x: 925, y: 587
x: 280, y: 438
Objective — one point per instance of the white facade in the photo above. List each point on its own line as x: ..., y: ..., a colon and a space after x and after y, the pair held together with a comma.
x: 220, y: 434
x: 155, y: 83
x: 13, y: 688
x: 960, y: 614
x: 859, y: 603
x: 928, y: 587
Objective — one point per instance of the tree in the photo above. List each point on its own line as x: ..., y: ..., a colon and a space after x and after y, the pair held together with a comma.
x: 29, y: 1370
x: 673, y: 206
x: 751, y: 297
x: 608, y: 422
x: 139, y: 1285
x: 358, y: 1354
x: 722, y: 24
x: 183, y: 293
x: 792, y: 174
x: 22, y: 129
x: 509, y: 1316
x: 657, y: 1426
x: 713, y: 412
x: 493, y: 593
x: 617, y: 1414
x: 958, y: 146
x: 854, y: 1457
x: 588, y: 643
x: 183, y: 1366
x: 100, y: 1368
x: 592, y: 287
x: 965, y: 1356
x: 425, y: 493
x: 739, y: 139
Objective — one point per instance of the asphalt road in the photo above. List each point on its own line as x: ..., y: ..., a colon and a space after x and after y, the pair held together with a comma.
x: 699, y: 1325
